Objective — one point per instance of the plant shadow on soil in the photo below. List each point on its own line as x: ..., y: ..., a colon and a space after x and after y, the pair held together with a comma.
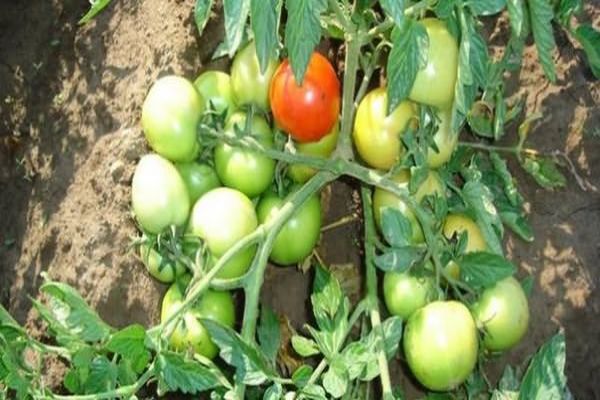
x: 70, y: 138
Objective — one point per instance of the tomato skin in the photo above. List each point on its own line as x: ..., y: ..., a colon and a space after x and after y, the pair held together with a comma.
x: 215, y: 89
x: 170, y: 116
x: 376, y: 134
x: 221, y: 218
x: 383, y: 198
x: 445, y: 140
x: 404, y: 293
x: 198, y: 179
x: 249, y: 85
x: 456, y: 224
x: 216, y: 305
x: 158, y: 194
x: 245, y: 170
x: 434, y: 84
x: 300, y: 234
x: 440, y: 344
x: 162, y: 269
x: 502, y: 313
x: 308, y: 111
x: 301, y: 173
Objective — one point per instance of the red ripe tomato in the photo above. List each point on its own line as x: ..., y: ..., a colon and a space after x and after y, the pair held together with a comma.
x: 308, y: 111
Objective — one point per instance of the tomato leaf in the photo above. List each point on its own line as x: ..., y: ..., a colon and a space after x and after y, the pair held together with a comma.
x: 335, y: 379
x: 176, y: 373
x: 486, y: 7
x: 274, y: 392
x: 268, y: 333
x: 396, y: 228
x: 481, y: 269
x: 301, y: 375
x: 394, y: 9
x: 302, y: 32
x: 541, y: 15
x: 518, y: 224
x: 326, y: 297
x: 590, y: 40
x: 201, y: 13
x: 409, y: 54
x: 508, y: 183
x: 399, y: 259
x: 443, y: 9
x: 565, y: 9
x: 251, y: 364
x: 545, y: 377
x: 304, y: 346
x: 102, y: 376
x: 516, y: 14
x: 95, y: 8
x: 313, y: 392
x: 479, y: 198
x: 130, y: 344
x: 236, y: 13
x: 125, y: 372
x: 544, y: 171
x: 264, y: 17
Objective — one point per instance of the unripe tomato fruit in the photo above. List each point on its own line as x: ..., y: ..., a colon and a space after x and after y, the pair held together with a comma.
x: 445, y: 141
x: 440, y: 344
x: 161, y: 268
x: 301, y: 173
x: 382, y: 198
x: 502, y: 313
x: 170, y: 116
x: 221, y: 218
x: 405, y: 293
x: 434, y: 84
x: 249, y: 85
x: 215, y: 89
x: 158, y: 194
x: 190, y: 333
x: 376, y: 134
x: 198, y: 179
x: 308, y: 111
x: 299, y: 235
x: 455, y: 224
x: 246, y: 170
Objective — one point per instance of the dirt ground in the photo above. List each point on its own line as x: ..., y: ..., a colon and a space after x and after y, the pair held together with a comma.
x: 69, y: 138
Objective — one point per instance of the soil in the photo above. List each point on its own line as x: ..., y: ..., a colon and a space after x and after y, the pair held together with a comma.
x: 70, y: 138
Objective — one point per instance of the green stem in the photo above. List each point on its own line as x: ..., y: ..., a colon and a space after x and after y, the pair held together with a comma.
x: 341, y: 16
x: 389, y: 23
x: 384, y: 371
x: 344, y: 148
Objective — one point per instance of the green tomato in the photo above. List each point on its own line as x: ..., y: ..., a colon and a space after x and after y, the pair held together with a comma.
x: 434, y: 83
x: 221, y: 218
x: 301, y: 173
x: 455, y: 224
x: 383, y: 198
x: 502, y: 313
x: 198, y: 179
x: 245, y: 170
x: 405, y: 293
x: 158, y: 194
x: 190, y: 333
x: 440, y: 344
x: 249, y: 85
x: 161, y: 268
x: 215, y: 88
x: 445, y: 141
x: 170, y: 116
x: 299, y: 235
x: 376, y: 134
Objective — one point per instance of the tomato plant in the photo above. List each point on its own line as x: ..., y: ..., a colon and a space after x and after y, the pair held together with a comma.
x: 309, y: 110
x: 245, y: 170
x: 376, y: 133
x: 198, y: 179
x: 158, y: 194
x: 440, y: 344
x: 249, y: 83
x: 300, y: 173
x: 405, y: 293
x: 299, y: 234
x: 445, y: 141
x: 216, y: 91
x: 159, y: 266
x: 170, y: 114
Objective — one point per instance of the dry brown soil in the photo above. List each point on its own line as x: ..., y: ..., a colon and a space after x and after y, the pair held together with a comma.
x: 70, y: 137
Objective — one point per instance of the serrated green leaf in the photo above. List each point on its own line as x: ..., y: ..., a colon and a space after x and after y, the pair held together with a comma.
x: 303, y: 346
x: 326, y: 298
x: 509, y: 380
x: 264, y: 17
x: 396, y: 228
x: 541, y: 15
x: 394, y: 9
x: 544, y: 171
x: 274, y: 392
x: 125, y: 372
x: 508, y: 184
x: 174, y: 372
x: 301, y: 375
x: 95, y: 8
x: 128, y: 342
x: 102, y: 377
x: 409, y: 54
x: 443, y: 9
x: 6, y: 318
x: 545, y: 378
x: 201, y: 13
x: 481, y: 269
x: 475, y: 385
x: 251, y: 364
x: 302, y: 32
x: 399, y: 259
x: 565, y: 9
x: 516, y: 14
x: 335, y: 379
x: 518, y: 224
x: 486, y: 7
x: 236, y: 14
x: 479, y: 57
x: 480, y: 200
x: 313, y: 392
x: 590, y: 40
x: 269, y: 335
x: 392, y: 332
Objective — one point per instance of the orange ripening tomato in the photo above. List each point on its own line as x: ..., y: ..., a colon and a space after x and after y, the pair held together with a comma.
x: 308, y: 111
